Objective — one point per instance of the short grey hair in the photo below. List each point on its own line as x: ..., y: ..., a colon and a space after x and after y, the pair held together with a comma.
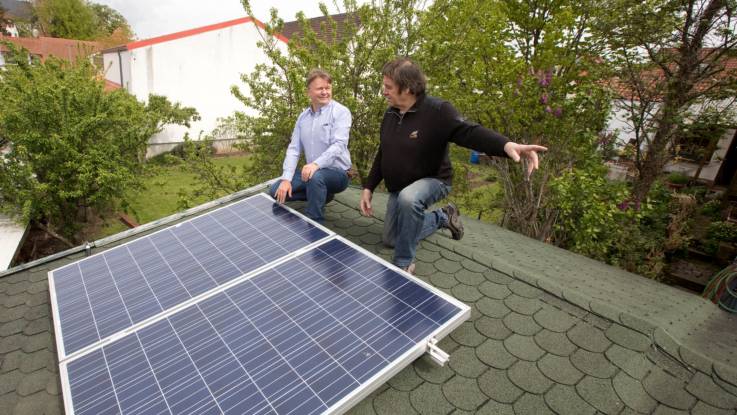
x: 318, y: 73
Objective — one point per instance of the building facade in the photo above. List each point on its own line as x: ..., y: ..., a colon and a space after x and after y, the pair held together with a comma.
x: 196, y: 68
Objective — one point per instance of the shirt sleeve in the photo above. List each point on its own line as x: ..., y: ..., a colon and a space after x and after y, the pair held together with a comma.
x: 293, y: 152
x: 471, y: 135
x: 339, y: 137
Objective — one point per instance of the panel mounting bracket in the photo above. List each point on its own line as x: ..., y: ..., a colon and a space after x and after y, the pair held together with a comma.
x: 437, y: 354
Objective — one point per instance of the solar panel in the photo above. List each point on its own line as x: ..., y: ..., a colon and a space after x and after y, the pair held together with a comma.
x: 100, y: 296
x: 312, y: 326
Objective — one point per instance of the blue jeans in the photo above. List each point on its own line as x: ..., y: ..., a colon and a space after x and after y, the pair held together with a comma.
x: 317, y: 191
x: 407, y: 222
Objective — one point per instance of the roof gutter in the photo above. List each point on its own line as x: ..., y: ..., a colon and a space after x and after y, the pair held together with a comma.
x: 143, y: 228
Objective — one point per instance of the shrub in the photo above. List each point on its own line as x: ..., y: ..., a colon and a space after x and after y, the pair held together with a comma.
x: 678, y: 178
x: 719, y: 232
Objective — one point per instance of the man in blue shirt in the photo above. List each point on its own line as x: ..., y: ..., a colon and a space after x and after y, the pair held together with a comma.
x: 321, y: 132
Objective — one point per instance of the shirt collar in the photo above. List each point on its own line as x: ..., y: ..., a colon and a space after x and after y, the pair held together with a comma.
x: 323, y: 108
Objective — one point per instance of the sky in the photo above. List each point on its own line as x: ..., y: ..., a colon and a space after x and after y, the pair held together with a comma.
x: 160, y: 17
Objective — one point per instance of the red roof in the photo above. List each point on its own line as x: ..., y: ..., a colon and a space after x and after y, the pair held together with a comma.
x: 68, y: 49
x: 289, y: 30
x: 111, y: 86
x: 192, y: 32
x: 653, y: 78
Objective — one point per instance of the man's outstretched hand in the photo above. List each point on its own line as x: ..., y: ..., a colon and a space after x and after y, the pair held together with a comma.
x: 528, y: 151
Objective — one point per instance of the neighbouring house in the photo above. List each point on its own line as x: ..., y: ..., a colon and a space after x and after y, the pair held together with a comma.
x: 722, y: 162
x: 43, y: 47
x: 197, y: 68
x: 16, y: 12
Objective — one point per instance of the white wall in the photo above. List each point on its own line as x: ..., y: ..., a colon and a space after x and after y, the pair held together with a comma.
x: 12, y: 30
x: 112, y: 67
x: 197, y: 71
x: 618, y: 121
x: 12, y: 235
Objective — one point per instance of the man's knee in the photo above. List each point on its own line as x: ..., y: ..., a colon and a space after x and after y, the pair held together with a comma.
x: 408, y: 200
x: 317, y: 180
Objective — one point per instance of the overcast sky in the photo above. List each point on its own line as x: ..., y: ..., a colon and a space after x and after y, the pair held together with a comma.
x: 160, y: 17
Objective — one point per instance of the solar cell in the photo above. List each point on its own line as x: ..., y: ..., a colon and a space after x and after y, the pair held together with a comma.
x: 311, y: 334
x: 100, y: 296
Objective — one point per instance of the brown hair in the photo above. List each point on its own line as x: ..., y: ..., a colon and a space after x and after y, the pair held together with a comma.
x: 318, y: 73
x: 406, y: 74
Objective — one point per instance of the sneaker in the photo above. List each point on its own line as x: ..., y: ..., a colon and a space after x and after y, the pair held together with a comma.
x: 410, y: 269
x: 454, y: 221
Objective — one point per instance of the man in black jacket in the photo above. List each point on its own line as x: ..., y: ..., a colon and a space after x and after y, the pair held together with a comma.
x: 413, y: 160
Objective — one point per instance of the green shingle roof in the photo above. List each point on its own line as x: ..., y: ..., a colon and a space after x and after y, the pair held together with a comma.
x: 550, y: 332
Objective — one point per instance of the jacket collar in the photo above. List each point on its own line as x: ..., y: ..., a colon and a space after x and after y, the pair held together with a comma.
x: 414, y: 108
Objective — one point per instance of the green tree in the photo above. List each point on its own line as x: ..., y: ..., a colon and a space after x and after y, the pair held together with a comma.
x: 670, y: 57
x: 108, y: 19
x: 71, y: 19
x: 525, y: 69
x: 72, y: 148
x: 113, y: 28
x: 353, y: 51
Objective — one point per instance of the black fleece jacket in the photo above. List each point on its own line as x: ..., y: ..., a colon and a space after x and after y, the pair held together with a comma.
x: 414, y: 145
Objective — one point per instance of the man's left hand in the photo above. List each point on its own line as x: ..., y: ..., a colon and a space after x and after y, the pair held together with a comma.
x: 308, y: 170
x: 528, y: 151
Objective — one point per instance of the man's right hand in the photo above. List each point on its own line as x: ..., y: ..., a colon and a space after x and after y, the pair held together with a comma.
x: 284, y: 190
x: 366, y: 203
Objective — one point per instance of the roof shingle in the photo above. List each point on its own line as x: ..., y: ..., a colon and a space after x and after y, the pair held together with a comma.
x: 524, y: 349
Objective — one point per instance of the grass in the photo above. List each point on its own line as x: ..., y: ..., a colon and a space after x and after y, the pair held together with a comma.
x: 159, y: 196
x: 483, y: 189
x: 162, y: 184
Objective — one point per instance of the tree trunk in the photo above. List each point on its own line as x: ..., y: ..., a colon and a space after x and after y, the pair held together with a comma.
x: 707, y: 155
x: 655, y: 157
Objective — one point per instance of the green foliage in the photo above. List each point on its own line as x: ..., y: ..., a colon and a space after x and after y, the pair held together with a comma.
x: 678, y: 178
x: 596, y: 219
x: 712, y: 209
x: 669, y: 57
x: 73, y: 149
x: 591, y: 212
x: 70, y: 19
x: 213, y: 179
x: 525, y: 70
x: 79, y: 19
x: 276, y: 92
x: 719, y: 231
x: 108, y: 20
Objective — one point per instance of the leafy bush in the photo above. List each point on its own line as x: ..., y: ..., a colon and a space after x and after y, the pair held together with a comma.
x: 678, y: 178
x: 720, y: 231
x: 596, y: 219
x: 712, y: 209
x: 591, y: 212
x: 73, y: 148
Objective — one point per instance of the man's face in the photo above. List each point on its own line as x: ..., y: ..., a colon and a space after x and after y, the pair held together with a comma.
x: 391, y: 92
x: 320, y: 92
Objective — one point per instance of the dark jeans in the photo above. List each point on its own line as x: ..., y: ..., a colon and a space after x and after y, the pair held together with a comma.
x: 407, y: 220
x: 317, y: 191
